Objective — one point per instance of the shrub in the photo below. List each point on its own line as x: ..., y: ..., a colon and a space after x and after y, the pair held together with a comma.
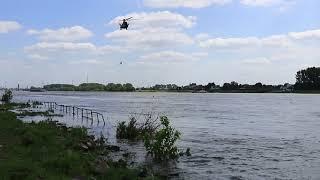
x: 137, y: 129
x: 150, y: 124
x: 130, y: 131
x: 7, y: 96
x: 159, y: 139
x: 162, y: 146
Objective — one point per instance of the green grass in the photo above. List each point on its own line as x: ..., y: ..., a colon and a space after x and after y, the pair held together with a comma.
x: 8, y: 106
x: 47, y: 150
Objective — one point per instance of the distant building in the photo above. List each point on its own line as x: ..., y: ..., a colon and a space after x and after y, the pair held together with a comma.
x: 37, y: 89
x: 287, y: 87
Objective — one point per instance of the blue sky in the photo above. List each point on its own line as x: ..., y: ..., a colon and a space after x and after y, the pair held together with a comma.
x: 172, y: 41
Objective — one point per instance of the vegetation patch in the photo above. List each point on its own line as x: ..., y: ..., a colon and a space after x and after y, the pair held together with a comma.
x: 48, y: 150
x: 7, y: 96
x: 158, y: 135
x: 90, y: 87
x: 136, y: 129
x: 9, y: 106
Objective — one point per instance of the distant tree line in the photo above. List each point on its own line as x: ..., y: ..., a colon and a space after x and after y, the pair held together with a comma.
x: 306, y: 80
x: 257, y: 87
x: 227, y: 87
x: 90, y: 87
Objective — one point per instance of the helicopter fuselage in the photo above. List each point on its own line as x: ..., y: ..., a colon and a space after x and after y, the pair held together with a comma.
x: 124, y: 25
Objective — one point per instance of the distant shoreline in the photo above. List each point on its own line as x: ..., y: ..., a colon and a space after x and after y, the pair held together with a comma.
x: 217, y: 92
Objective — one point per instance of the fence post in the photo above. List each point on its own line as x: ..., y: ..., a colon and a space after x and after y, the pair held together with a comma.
x: 104, y: 123
x: 82, y: 113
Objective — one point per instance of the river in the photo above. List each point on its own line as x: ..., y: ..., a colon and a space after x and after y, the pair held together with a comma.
x: 231, y: 136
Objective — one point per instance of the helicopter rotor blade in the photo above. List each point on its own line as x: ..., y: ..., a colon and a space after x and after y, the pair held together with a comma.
x: 127, y: 19
x: 134, y: 19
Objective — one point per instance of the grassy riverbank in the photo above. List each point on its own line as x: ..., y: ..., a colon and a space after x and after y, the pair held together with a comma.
x: 49, y: 150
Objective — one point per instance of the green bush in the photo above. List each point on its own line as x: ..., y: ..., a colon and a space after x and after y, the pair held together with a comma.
x: 159, y: 139
x: 7, y: 96
x: 162, y: 146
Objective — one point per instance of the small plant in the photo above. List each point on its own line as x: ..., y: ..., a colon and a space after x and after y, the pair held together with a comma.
x: 162, y: 146
x: 7, y: 96
x: 121, y: 130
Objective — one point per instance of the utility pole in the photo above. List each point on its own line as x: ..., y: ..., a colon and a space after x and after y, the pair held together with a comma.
x: 87, y: 78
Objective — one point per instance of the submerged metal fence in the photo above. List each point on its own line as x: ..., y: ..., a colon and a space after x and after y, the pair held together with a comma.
x: 76, y: 111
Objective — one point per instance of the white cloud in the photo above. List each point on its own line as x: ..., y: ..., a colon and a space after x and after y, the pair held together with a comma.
x: 257, y: 61
x: 163, y: 19
x: 154, y: 30
x: 150, y: 38
x: 284, y: 54
x: 108, y: 49
x: 65, y: 50
x: 168, y: 57
x: 274, y: 41
x: 230, y: 42
x: 184, y: 3
x: 206, y: 3
x: 87, y: 61
x: 265, y: 3
x: 259, y: 2
x: 202, y: 36
x: 312, y: 34
x: 200, y: 54
x: 71, y: 46
x: 37, y: 57
x: 61, y: 46
x: 66, y: 34
x: 281, y: 5
x: 8, y: 26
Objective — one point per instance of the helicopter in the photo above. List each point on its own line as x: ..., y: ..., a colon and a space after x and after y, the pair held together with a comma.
x: 125, y: 24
